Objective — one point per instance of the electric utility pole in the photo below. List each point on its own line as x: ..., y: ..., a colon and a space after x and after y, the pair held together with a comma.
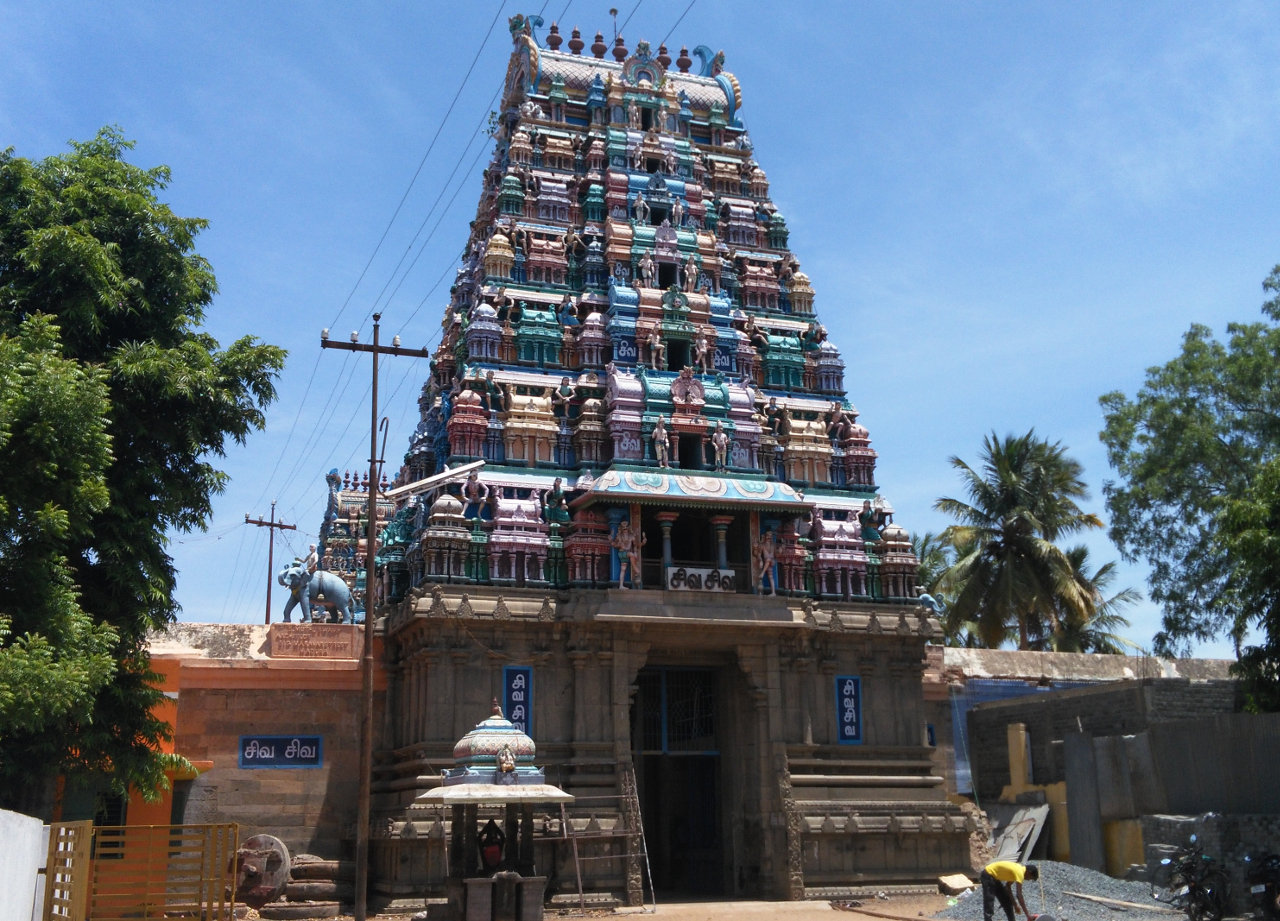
x: 371, y: 571
x: 272, y: 527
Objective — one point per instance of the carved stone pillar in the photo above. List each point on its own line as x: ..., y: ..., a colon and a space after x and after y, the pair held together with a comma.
x: 409, y: 677
x: 459, y: 658
x: 579, y: 659
x: 805, y: 665
x: 422, y: 699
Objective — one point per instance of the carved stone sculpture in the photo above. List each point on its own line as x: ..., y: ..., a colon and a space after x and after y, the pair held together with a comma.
x: 661, y: 443
x: 764, y: 551
x: 308, y: 588
x: 657, y: 350
x: 720, y: 446
x: 628, y: 544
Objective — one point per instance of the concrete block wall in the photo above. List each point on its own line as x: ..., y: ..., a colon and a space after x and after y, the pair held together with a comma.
x: 1121, y: 708
x: 1224, y: 838
x: 1173, y: 700
x: 311, y: 810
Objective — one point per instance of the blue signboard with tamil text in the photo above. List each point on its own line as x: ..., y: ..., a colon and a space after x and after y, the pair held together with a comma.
x: 280, y: 752
x: 625, y: 351
x: 517, y: 696
x: 848, y: 709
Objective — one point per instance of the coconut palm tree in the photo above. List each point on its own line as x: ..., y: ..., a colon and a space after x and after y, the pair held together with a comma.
x: 1010, y: 580
x: 935, y: 554
x: 1099, y: 632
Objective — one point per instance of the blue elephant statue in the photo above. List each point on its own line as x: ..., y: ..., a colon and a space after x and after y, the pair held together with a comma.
x: 319, y: 587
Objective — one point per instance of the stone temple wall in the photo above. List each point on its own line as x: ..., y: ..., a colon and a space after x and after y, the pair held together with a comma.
x: 798, y: 813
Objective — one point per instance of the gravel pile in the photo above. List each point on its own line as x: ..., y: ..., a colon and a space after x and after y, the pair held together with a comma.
x: 1058, y: 879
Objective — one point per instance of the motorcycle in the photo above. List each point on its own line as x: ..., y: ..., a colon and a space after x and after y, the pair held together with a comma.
x: 1195, y: 884
x: 1263, y: 874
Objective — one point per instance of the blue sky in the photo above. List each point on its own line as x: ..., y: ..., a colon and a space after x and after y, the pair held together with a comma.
x: 1006, y: 209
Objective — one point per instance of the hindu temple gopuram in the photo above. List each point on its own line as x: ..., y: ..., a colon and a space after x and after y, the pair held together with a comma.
x: 674, y: 569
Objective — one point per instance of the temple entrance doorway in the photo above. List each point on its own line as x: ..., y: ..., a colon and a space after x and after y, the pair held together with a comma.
x: 673, y: 727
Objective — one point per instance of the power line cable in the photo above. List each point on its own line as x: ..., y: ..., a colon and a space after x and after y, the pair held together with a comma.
x: 677, y: 22
x: 450, y: 265
x: 431, y: 211
x: 319, y: 429
x: 241, y: 577
x: 421, y: 163
x: 377, y: 248
x: 629, y: 15
x: 341, y: 378
x: 293, y: 427
x: 235, y: 567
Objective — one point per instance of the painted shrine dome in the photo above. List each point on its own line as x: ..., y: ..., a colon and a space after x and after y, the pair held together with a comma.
x: 481, y: 747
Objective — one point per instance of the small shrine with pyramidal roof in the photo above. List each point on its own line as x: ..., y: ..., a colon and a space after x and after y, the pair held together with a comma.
x: 674, y: 565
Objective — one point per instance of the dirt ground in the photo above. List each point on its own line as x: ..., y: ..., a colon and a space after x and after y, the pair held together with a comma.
x: 895, y: 908
x: 907, y: 907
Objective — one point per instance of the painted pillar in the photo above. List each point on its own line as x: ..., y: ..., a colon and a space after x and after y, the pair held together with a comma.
x: 666, y: 519
x: 721, y: 523
x: 753, y: 535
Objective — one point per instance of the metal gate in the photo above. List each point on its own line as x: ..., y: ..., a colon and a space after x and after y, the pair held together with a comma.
x: 140, y: 872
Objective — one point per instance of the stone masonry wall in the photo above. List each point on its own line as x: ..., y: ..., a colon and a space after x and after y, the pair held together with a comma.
x: 311, y: 810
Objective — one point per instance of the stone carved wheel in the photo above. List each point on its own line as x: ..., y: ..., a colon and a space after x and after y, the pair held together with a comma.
x: 262, y: 870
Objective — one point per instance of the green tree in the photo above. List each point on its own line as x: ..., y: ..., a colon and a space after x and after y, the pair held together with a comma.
x: 1250, y: 529
x: 1095, y: 627
x: 1192, y: 441
x: 85, y: 239
x: 58, y: 659
x: 935, y: 555
x: 1010, y: 581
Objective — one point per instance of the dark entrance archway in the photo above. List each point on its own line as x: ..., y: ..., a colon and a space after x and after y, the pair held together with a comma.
x: 673, y: 726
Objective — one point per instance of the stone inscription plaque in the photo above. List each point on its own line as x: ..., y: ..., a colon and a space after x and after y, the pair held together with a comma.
x: 314, y: 641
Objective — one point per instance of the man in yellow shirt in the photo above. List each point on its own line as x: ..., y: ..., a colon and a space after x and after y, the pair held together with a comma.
x: 1002, y: 882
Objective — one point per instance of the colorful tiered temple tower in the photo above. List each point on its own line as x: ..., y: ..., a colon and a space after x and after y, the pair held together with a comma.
x: 675, y: 562
x: 629, y: 334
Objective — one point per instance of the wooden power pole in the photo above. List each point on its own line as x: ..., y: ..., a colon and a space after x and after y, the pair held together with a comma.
x: 273, y: 526
x: 371, y: 571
